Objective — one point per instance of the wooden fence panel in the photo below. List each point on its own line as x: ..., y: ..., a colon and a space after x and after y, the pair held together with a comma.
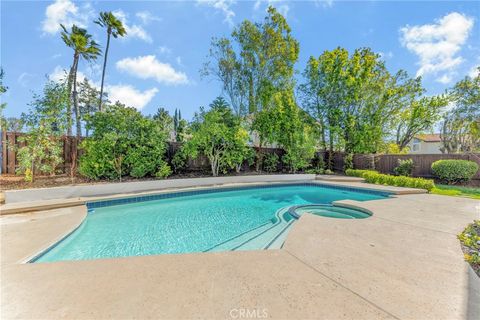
x: 382, y: 163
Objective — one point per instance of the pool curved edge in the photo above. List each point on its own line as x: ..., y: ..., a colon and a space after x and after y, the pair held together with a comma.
x: 83, y: 212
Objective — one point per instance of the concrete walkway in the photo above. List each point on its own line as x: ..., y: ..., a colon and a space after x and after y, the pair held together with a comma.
x: 404, y: 262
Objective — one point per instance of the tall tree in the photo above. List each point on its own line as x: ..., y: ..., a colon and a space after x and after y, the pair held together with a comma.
x: 165, y: 121
x: 255, y: 62
x: 114, y: 28
x: 461, y: 125
x: 84, y: 47
x: 3, y: 89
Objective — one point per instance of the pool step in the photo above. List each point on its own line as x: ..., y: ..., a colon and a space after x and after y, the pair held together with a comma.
x: 238, y: 240
x: 264, y: 239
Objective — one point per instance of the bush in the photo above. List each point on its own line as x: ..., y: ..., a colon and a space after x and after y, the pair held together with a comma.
x: 357, y: 173
x: 270, y: 162
x: 404, y: 168
x: 164, y: 171
x: 123, y: 143
x: 454, y: 171
x: 402, y: 181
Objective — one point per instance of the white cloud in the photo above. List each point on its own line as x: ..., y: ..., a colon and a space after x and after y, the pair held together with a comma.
x: 133, y: 31
x: 67, y: 13
x: 60, y: 74
x: 280, y: 5
x: 164, y: 50
x: 386, y: 55
x: 146, y: 67
x: 24, y: 78
x: 473, y: 72
x: 223, y: 6
x: 437, y: 45
x: 147, y: 17
x: 130, y: 96
x: 445, y: 79
x: 324, y: 3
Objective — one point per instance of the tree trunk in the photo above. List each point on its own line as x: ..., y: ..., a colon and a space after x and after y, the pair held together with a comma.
x: 69, y: 104
x: 75, y: 100
x: 103, y: 71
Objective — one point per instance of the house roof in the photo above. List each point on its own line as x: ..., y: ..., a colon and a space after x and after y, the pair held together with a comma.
x: 429, y: 137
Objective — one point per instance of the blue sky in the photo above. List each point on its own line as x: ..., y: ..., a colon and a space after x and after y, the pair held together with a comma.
x: 158, y: 63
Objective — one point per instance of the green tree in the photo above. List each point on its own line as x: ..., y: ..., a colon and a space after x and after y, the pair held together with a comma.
x: 114, y: 28
x: 84, y: 47
x: 461, y: 125
x: 3, y: 105
x: 49, y: 108
x: 164, y: 120
x: 88, y: 98
x: 218, y: 135
x: 45, y: 122
x: 256, y: 62
x: 293, y: 131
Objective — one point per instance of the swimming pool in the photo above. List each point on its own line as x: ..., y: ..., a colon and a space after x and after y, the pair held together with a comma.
x: 217, y: 219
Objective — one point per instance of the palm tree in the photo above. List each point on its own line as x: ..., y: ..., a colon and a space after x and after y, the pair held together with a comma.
x: 114, y: 28
x: 83, y: 47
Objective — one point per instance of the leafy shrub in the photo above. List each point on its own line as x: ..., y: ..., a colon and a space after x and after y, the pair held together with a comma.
x: 328, y: 171
x: 357, y: 172
x: 454, y: 171
x: 218, y: 135
x: 401, y: 181
x: 315, y: 171
x: 270, y: 162
x: 164, y: 171
x: 179, y: 160
x: 404, y: 168
x: 42, y: 152
x: 124, y: 142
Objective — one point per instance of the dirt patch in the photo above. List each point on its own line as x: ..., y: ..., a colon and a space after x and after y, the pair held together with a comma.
x: 13, y: 182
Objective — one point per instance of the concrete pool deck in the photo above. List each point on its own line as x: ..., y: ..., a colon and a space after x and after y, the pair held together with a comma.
x: 404, y: 262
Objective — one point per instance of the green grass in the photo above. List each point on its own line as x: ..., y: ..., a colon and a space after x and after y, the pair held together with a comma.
x: 470, y: 192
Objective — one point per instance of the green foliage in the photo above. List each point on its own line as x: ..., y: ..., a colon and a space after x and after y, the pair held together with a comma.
x: 328, y: 171
x: 45, y: 122
x: 164, y: 171
x: 404, y: 168
x: 400, y: 181
x: 357, y: 172
x: 42, y: 152
x: 454, y: 171
x: 348, y: 161
x: 270, y: 162
x: 470, y: 240
x: 219, y: 136
x: 165, y: 121
x: 123, y: 143
x: 461, y: 125
x: 257, y: 61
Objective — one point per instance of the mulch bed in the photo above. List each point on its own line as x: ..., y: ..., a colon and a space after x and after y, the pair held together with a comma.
x: 13, y: 182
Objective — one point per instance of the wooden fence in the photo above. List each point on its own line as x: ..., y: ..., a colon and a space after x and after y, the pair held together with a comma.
x: 10, y: 142
x: 385, y: 163
x: 382, y: 163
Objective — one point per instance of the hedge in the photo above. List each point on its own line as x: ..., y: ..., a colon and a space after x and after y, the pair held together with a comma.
x: 454, y: 171
x: 397, y: 181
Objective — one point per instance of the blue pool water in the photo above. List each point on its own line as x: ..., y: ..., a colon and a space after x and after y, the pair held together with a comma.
x: 235, y: 219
